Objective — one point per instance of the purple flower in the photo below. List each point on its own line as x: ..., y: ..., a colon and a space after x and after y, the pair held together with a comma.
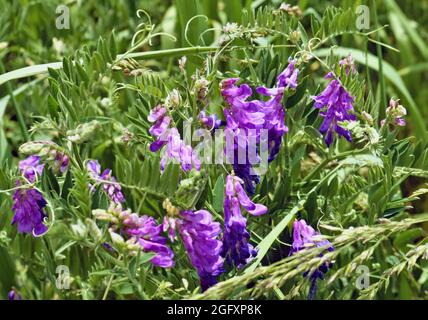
x: 349, y: 64
x: 148, y: 235
x: 395, y: 113
x: 160, y: 127
x: 113, y: 190
x: 176, y: 149
x: 211, y: 122
x: 13, y: 295
x: 236, y: 247
x: 199, y: 233
x: 337, y: 105
x: 305, y: 237
x: 61, y: 162
x: 288, y: 78
x: 247, y: 119
x: 28, y: 206
x: 30, y: 167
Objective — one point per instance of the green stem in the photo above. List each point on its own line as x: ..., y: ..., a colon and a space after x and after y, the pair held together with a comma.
x: 383, y: 100
x: 43, y: 68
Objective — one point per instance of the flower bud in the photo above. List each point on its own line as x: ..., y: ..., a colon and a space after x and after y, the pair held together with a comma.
x: 201, y: 88
x: 295, y: 36
x: 367, y: 118
x: 116, y: 238
x: 83, y: 132
x: 39, y: 148
x: 182, y: 63
x: 173, y: 99
x: 171, y: 210
x: 94, y: 231
x: 79, y: 230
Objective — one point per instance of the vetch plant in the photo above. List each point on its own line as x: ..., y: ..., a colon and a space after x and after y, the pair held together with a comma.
x: 252, y: 154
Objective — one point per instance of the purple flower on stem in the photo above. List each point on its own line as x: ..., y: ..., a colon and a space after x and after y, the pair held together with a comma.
x: 160, y: 127
x: 236, y: 247
x: 176, y: 149
x: 246, y: 119
x: 148, y: 235
x: 336, y: 103
x: 141, y: 232
x: 288, y: 78
x: 30, y: 167
x: 199, y: 233
x: 61, y: 162
x: 305, y: 237
x: 211, y: 122
x: 395, y: 114
x: 28, y: 206
x: 113, y: 190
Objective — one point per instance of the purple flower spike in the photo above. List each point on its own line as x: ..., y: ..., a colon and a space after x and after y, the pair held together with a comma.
x: 144, y: 232
x: 28, y: 206
x: 336, y: 105
x: 176, y: 149
x: 199, y: 233
x: 305, y: 237
x: 236, y: 247
x: 30, y: 167
x: 160, y: 127
x: 289, y: 76
x: 113, y: 190
x: 247, y: 119
x: 148, y: 234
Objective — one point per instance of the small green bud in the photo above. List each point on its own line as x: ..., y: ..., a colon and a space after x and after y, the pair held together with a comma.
x: 83, y: 132
x: 94, y: 231
x: 117, y: 239
x: 39, y: 148
x: 367, y: 117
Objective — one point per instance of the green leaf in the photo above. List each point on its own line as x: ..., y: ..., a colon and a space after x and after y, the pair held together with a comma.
x: 267, y: 242
x: 218, y: 194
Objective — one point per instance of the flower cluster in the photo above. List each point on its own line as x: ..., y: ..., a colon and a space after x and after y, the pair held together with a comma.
x: 395, y: 113
x: 305, y: 237
x: 44, y: 152
x: 28, y: 205
x: 236, y: 247
x: 113, y: 189
x: 176, y: 149
x: 199, y: 233
x: 247, y: 118
x: 28, y: 202
x: 140, y: 232
x: 336, y: 103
